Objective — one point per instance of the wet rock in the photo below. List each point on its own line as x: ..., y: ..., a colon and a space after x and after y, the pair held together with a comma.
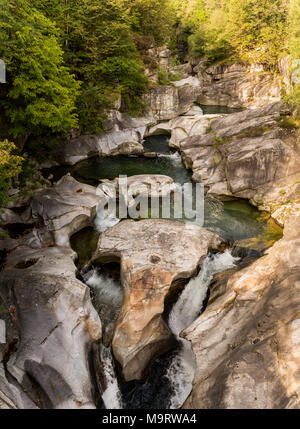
x: 147, y: 185
x: 153, y: 254
x: 105, y: 144
x: 246, y: 343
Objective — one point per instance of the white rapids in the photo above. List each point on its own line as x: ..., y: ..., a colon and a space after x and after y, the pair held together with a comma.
x: 186, y: 310
x: 184, y: 313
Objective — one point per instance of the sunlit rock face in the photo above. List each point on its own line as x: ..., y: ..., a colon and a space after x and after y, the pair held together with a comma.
x: 246, y: 154
x: 247, y: 342
x: 153, y: 253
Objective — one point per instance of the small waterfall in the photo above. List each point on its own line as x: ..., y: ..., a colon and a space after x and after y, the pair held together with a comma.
x: 180, y: 372
x: 106, y: 290
x: 111, y: 396
x: 184, y: 313
x: 174, y: 157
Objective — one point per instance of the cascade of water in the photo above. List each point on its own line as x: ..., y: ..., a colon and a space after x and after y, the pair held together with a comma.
x: 111, y: 396
x: 185, y: 311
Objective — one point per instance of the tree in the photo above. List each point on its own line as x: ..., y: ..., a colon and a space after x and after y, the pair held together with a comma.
x: 10, y: 166
x: 40, y: 92
x: 257, y: 30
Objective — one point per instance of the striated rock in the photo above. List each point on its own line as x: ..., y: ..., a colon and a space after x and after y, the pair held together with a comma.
x: 65, y: 208
x: 236, y: 85
x: 243, y: 122
x: 122, y: 142
x: 246, y: 154
x: 246, y: 343
x: 188, y: 126
x: 153, y: 253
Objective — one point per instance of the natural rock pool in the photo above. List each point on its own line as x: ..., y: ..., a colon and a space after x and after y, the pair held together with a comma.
x: 169, y: 380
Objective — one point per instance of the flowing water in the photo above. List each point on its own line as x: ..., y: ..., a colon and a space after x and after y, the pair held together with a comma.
x: 184, y: 313
x: 170, y: 377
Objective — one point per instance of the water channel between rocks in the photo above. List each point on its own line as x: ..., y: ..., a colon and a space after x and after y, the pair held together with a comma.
x: 169, y: 381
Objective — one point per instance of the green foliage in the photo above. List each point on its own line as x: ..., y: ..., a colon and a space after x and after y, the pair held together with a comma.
x: 10, y: 166
x: 99, y: 49
x: 163, y: 78
x: 40, y: 92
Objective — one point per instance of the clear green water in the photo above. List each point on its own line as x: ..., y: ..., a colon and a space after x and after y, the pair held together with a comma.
x: 234, y: 219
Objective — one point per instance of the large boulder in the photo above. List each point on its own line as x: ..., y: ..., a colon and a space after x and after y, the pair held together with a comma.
x: 51, y: 325
x: 186, y: 126
x: 153, y: 254
x: 246, y: 343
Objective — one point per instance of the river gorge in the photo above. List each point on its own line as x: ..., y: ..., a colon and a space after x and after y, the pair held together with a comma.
x: 159, y: 313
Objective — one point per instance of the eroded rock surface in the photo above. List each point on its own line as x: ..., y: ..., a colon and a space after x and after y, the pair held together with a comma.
x: 124, y: 137
x: 247, y: 154
x: 247, y: 342
x: 153, y: 254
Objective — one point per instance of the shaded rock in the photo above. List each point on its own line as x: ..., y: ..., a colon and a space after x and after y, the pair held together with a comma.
x: 182, y: 70
x: 56, y: 325
x: 164, y: 102
x: 153, y: 254
x: 246, y: 343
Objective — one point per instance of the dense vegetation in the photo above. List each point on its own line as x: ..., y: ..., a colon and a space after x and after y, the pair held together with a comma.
x: 69, y: 61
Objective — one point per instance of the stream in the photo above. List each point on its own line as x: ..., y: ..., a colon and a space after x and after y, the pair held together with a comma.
x: 170, y: 377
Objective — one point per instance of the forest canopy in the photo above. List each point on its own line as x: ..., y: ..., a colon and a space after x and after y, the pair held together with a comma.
x: 70, y: 61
